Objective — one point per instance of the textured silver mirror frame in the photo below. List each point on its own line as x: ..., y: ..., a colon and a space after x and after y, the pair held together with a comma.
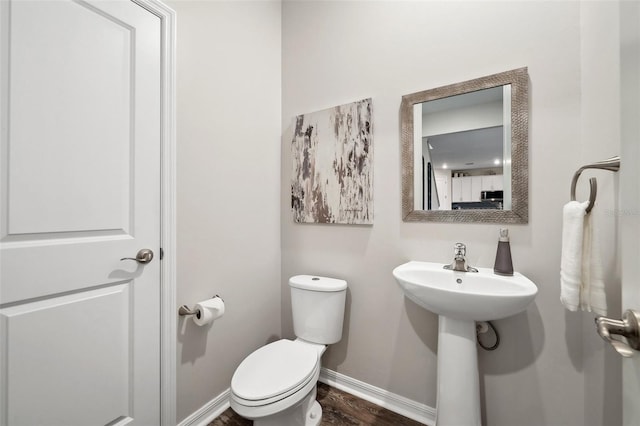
x: 519, y: 213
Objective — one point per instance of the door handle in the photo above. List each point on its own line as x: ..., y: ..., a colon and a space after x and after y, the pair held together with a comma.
x: 144, y: 256
x: 628, y: 327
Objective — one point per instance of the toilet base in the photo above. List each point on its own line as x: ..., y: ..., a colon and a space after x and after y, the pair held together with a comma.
x: 315, y: 414
x: 307, y: 412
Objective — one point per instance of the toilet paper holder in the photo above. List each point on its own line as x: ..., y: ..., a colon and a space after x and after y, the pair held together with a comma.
x: 185, y: 311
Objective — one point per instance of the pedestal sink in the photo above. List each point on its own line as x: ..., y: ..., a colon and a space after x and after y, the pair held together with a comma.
x: 460, y: 299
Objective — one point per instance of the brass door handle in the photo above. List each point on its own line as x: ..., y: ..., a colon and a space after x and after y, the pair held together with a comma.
x: 628, y: 327
x: 144, y: 256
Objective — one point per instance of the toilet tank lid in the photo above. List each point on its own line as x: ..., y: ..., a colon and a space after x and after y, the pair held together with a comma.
x: 316, y: 283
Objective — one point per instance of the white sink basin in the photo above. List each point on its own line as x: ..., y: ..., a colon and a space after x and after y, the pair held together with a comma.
x: 460, y: 299
x: 477, y: 296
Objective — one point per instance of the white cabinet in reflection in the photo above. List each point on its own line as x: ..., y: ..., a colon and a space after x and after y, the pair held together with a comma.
x: 469, y: 188
x: 476, y: 188
x: 492, y: 183
x: 461, y: 189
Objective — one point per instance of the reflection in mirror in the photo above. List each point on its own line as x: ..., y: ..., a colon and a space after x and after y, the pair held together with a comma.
x: 465, y: 151
x: 462, y: 151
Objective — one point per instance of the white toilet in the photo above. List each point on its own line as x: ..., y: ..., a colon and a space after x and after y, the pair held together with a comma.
x: 276, y: 384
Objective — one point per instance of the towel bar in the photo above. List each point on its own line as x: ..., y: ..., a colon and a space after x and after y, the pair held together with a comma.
x: 612, y: 164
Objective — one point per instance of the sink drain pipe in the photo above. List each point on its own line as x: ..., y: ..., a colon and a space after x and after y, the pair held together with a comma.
x: 482, y: 327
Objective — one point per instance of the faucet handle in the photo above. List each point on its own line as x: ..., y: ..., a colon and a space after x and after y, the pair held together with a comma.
x: 459, y: 250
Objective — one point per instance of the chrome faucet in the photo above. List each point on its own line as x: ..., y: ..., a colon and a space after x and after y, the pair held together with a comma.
x: 459, y: 261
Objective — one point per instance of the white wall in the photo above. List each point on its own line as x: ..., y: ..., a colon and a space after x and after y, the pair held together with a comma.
x: 228, y: 103
x: 338, y: 52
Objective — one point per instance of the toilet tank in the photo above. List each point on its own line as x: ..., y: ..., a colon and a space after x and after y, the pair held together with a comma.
x: 317, y: 304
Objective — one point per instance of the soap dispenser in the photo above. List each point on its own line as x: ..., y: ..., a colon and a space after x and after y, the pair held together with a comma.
x: 503, y: 264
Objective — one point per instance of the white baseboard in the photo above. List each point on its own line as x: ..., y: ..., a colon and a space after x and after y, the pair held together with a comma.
x: 208, y: 411
x: 398, y: 404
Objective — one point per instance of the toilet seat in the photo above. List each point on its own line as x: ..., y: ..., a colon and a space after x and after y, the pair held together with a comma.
x: 274, y: 372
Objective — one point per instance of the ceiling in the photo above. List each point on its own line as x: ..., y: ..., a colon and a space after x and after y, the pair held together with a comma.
x: 471, y: 149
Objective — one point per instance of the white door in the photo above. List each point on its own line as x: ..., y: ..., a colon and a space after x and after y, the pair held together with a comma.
x: 630, y: 194
x: 80, y: 189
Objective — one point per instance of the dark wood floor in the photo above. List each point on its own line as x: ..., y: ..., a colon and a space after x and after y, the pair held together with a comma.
x: 338, y: 408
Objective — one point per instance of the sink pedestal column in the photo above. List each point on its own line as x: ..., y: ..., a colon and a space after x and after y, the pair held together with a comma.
x: 458, y: 400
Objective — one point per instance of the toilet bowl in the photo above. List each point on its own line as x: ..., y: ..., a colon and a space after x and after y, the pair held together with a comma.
x: 276, y: 384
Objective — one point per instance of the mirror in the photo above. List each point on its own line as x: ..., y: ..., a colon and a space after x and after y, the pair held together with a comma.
x: 465, y: 150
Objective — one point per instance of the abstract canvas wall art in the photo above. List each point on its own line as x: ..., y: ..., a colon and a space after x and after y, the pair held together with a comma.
x: 332, y: 151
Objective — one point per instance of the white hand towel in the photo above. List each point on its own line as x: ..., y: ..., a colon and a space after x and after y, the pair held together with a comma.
x: 593, y: 297
x: 571, y: 262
